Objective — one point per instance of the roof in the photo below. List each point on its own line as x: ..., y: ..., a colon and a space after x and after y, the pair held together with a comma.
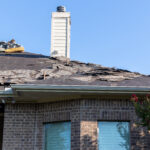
x: 29, y: 68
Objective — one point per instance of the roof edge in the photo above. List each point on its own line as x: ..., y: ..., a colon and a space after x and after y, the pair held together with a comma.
x: 27, y: 93
x: 77, y: 88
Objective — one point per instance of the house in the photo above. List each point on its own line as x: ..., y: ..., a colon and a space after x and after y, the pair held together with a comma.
x: 43, y: 96
x: 52, y: 103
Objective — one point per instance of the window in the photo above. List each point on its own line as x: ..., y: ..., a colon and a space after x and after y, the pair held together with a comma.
x: 58, y: 136
x: 114, y: 136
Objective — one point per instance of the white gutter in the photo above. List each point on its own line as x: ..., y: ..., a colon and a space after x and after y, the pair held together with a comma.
x: 46, y: 93
x: 8, y: 92
x: 83, y: 89
x: 12, y: 92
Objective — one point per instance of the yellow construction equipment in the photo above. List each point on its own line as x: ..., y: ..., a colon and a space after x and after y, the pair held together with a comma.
x: 14, y: 50
x: 10, y: 47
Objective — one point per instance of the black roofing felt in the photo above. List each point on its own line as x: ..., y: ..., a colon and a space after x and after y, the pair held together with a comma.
x: 29, y: 68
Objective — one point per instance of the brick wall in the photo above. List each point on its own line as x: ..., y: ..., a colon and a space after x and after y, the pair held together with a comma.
x: 1, y: 130
x: 23, y: 123
x: 19, y: 127
x: 1, y: 124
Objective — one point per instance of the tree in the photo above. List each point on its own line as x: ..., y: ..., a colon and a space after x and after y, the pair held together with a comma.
x: 142, y: 108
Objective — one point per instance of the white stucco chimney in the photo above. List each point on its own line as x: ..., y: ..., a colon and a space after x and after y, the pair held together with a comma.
x: 60, y: 33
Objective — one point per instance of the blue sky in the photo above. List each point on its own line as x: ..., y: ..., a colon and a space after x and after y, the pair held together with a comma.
x: 114, y: 33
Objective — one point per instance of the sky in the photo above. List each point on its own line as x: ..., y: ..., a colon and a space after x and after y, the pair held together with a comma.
x: 113, y: 33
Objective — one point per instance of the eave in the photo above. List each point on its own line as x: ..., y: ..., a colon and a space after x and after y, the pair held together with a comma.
x: 50, y: 93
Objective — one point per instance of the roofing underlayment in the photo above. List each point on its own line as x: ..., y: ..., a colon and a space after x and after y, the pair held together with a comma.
x: 28, y: 68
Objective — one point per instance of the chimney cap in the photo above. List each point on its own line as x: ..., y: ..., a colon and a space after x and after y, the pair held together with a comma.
x: 61, y: 9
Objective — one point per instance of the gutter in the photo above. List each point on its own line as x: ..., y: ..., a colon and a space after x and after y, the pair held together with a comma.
x: 8, y: 92
x: 47, y: 93
x: 81, y: 89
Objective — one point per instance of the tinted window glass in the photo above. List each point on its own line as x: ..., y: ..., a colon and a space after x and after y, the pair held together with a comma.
x: 114, y: 136
x: 57, y: 136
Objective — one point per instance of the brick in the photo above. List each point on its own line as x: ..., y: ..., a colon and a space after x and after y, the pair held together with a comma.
x: 23, y: 123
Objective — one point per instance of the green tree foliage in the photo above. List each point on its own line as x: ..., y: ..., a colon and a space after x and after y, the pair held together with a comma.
x: 142, y: 108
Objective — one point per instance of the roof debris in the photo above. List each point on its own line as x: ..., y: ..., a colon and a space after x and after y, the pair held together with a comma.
x: 22, y: 68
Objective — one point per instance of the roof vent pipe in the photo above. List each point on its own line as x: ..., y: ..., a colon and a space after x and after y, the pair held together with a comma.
x: 61, y: 9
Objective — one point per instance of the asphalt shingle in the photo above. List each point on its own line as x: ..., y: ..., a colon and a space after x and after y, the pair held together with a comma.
x: 29, y: 68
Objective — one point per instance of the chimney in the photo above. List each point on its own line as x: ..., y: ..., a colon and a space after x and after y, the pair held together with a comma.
x: 60, y: 33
